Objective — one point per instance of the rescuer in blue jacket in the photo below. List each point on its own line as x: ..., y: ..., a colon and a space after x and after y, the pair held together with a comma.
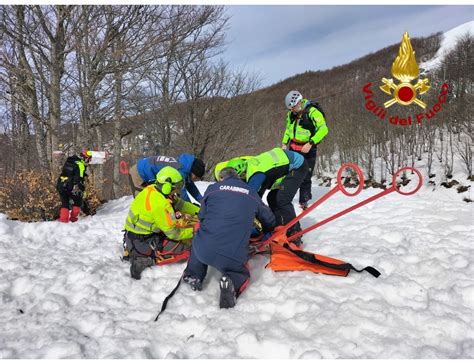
x: 227, y: 214
x: 191, y: 169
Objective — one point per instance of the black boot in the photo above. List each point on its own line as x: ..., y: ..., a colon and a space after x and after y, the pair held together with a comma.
x: 138, y: 263
x: 228, y: 297
x: 194, y: 282
x: 292, y: 231
x: 303, y: 205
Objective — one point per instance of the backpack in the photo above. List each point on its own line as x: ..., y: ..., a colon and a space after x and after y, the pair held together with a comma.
x: 65, y: 180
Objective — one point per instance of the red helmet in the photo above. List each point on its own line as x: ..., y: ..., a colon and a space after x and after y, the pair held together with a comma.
x: 86, y: 155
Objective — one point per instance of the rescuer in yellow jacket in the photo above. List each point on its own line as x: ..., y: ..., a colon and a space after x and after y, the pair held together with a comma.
x: 305, y: 129
x: 154, y: 233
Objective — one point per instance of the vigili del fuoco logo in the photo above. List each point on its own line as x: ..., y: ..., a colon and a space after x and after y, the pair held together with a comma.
x: 405, y: 69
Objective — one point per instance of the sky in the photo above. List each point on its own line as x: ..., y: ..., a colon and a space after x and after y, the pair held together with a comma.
x: 280, y: 41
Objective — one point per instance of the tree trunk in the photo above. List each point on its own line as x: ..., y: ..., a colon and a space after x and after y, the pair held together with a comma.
x: 117, y: 137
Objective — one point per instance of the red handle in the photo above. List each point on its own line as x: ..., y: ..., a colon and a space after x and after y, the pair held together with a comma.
x: 281, y: 232
x: 394, y: 181
x: 392, y: 188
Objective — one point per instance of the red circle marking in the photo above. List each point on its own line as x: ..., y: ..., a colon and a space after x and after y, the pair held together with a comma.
x: 394, y: 181
x: 405, y: 94
x: 356, y: 168
x: 123, y: 167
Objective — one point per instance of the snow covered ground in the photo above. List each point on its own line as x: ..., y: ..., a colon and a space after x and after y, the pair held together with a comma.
x: 65, y: 293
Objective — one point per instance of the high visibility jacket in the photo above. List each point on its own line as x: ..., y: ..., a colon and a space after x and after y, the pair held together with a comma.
x: 221, y: 165
x: 151, y: 212
x: 309, y: 126
x: 274, y: 164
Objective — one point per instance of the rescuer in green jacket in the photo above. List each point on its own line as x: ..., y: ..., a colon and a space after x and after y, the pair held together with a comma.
x: 305, y: 129
x: 281, y: 172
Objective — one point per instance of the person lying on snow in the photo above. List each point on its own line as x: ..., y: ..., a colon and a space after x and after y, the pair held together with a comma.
x: 153, y: 234
x: 227, y: 214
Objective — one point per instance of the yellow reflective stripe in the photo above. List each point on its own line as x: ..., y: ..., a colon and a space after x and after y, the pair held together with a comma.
x: 274, y: 156
x: 145, y: 223
x: 172, y: 233
x: 136, y: 220
x: 136, y: 228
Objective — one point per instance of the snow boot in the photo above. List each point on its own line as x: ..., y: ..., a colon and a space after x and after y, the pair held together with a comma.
x: 228, y: 296
x: 298, y: 242
x: 64, y: 215
x: 138, y: 263
x: 74, y: 213
x: 303, y: 205
x: 292, y: 231
x: 194, y: 282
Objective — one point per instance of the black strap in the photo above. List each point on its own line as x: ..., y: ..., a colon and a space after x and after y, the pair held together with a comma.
x: 345, y: 267
x: 165, y: 302
x: 369, y: 269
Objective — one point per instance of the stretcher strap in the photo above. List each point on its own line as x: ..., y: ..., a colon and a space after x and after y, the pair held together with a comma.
x: 165, y: 302
x: 345, y: 267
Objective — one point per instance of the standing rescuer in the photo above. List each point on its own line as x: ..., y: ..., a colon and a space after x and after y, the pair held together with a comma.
x: 71, y: 185
x: 305, y: 128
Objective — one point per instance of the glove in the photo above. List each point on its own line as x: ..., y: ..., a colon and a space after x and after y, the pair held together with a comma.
x: 306, y: 148
x: 196, y: 227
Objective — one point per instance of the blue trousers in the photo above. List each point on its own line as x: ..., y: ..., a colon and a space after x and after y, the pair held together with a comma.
x: 199, y: 261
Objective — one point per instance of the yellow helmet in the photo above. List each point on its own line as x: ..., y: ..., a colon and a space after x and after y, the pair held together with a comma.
x: 168, y: 179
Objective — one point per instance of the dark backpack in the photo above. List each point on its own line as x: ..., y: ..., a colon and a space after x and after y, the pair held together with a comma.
x: 65, y: 180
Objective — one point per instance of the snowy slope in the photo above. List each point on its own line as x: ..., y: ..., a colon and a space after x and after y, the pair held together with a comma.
x: 448, y: 42
x: 65, y: 293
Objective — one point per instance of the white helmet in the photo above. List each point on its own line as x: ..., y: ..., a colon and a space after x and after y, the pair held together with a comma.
x: 292, y: 99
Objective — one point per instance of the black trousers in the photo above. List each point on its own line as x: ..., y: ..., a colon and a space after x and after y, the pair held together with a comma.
x: 238, y: 272
x: 280, y: 200
x: 305, y: 189
x: 67, y: 196
x: 152, y: 244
